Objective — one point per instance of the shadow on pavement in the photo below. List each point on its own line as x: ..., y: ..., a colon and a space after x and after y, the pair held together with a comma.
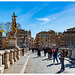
x: 70, y: 65
x: 52, y: 64
x: 35, y: 57
x: 59, y: 72
x: 49, y: 65
x: 46, y: 59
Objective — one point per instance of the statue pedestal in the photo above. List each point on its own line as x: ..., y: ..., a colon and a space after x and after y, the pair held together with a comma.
x: 12, y: 42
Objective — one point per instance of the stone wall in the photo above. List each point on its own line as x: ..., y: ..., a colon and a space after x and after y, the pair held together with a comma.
x: 8, y: 57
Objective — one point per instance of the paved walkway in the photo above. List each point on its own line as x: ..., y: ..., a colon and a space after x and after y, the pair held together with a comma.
x: 19, y: 66
x: 43, y: 65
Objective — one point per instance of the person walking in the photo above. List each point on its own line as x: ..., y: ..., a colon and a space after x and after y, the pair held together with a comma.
x: 45, y: 51
x: 55, y: 56
x: 23, y: 51
x: 32, y: 50
x: 62, y: 53
x: 38, y: 52
x: 49, y: 53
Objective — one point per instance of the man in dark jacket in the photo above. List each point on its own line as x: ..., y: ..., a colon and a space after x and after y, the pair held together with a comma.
x: 49, y: 53
x: 32, y: 50
x: 62, y: 60
x: 45, y: 51
x: 55, y: 56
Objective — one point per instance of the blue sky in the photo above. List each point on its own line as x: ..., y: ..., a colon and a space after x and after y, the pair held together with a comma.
x: 40, y: 16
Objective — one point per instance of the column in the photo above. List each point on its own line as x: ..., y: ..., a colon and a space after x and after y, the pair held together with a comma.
x: 73, y: 54
x: 15, y: 55
x: 18, y: 54
x: 68, y: 53
x: 11, y: 56
x: 6, y: 59
x: 21, y: 52
x: 1, y: 66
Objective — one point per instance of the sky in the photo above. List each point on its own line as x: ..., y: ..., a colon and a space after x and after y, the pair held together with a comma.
x: 40, y: 16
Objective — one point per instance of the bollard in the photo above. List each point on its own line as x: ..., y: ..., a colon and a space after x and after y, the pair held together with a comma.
x: 11, y: 57
x: 6, y: 60
x: 1, y: 65
x: 15, y: 55
x: 18, y: 54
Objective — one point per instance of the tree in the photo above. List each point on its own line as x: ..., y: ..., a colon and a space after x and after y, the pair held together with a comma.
x: 7, y: 27
x: 18, y: 26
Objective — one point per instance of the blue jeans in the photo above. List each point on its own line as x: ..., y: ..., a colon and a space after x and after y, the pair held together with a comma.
x: 55, y: 57
x: 62, y: 64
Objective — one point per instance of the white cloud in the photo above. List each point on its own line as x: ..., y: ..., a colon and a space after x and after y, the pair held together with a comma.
x: 29, y: 14
x: 44, y: 19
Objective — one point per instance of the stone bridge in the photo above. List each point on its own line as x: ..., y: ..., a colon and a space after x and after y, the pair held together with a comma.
x: 8, y: 57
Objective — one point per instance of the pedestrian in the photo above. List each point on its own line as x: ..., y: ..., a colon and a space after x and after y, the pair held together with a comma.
x: 59, y: 56
x: 23, y: 51
x: 32, y: 50
x: 62, y: 60
x: 49, y: 53
x: 45, y: 51
x: 55, y: 56
x: 38, y: 52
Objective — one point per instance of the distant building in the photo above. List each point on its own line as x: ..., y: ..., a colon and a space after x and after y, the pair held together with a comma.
x: 45, y: 39
x: 32, y: 42
x: 0, y: 39
x: 69, y: 37
x: 23, y: 38
x: 60, y: 40
x: 3, y: 42
x: 66, y: 39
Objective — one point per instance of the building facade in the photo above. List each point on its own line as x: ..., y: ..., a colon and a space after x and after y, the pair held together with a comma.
x: 60, y: 40
x: 0, y: 39
x: 23, y: 38
x: 45, y: 39
x: 3, y: 42
x: 69, y: 37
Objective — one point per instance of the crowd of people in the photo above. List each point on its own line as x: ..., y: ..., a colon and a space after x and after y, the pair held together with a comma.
x: 53, y: 53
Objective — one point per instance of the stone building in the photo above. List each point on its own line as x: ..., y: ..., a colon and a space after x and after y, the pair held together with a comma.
x: 60, y: 40
x: 32, y: 42
x: 3, y: 42
x: 69, y: 37
x: 0, y: 39
x: 45, y: 39
x: 23, y: 38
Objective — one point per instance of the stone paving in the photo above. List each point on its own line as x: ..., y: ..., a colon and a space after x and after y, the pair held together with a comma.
x: 43, y: 65
x: 19, y: 66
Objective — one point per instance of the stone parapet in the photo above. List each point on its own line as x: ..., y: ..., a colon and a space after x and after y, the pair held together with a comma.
x: 11, y: 59
x: 15, y: 55
x: 1, y: 62
x: 6, y: 59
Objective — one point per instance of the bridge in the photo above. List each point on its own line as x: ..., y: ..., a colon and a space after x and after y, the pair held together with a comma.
x: 14, y: 61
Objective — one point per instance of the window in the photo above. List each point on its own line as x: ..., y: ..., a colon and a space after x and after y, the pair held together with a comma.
x: 47, y: 35
x: 42, y: 35
x: 25, y: 32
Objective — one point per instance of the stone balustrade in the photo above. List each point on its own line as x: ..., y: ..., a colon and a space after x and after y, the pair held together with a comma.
x: 15, y: 55
x: 8, y: 57
x: 11, y: 59
x: 71, y: 52
x: 1, y: 61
